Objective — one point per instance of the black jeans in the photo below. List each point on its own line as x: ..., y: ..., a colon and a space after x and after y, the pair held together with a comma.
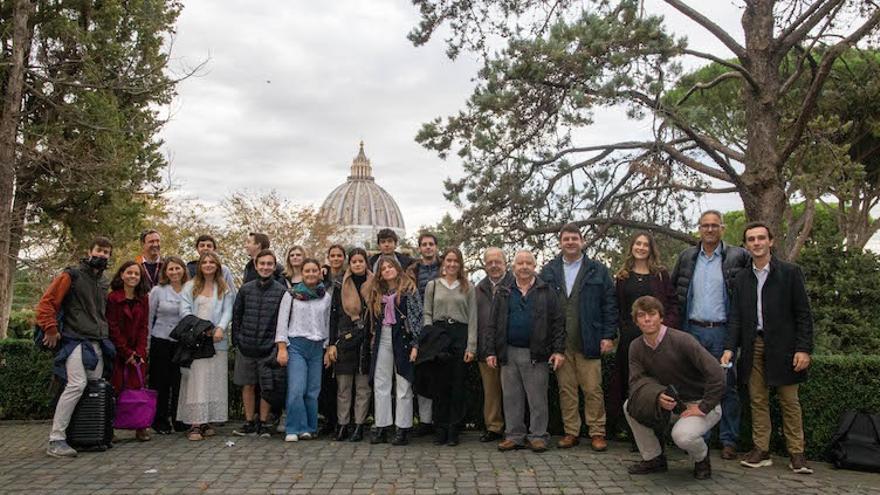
x: 449, y: 402
x: 165, y: 380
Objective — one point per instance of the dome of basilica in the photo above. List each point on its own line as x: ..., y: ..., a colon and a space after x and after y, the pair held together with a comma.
x: 361, y: 207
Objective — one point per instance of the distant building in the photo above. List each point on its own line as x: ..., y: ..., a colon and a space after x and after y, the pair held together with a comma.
x: 361, y: 207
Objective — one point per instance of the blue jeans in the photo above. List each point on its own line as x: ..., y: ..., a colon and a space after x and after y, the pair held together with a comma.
x: 712, y: 340
x: 303, y: 384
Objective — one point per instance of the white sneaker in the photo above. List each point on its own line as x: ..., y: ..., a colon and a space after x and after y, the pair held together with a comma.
x: 291, y: 437
x: 282, y: 424
x: 60, y: 448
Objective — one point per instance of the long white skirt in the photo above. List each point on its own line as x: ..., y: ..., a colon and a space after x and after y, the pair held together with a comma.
x: 204, y: 396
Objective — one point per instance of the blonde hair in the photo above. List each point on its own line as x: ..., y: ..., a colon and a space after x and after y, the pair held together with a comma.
x: 379, y: 287
x: 219, y: 280
x: 288, y: 267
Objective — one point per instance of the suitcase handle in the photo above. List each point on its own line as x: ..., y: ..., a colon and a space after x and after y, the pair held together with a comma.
x: 125, y: 376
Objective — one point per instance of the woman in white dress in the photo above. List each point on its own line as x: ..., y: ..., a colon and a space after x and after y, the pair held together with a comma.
x: 204, y: 398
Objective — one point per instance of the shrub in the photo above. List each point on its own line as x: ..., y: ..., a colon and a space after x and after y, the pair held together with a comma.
x: 836, y: 383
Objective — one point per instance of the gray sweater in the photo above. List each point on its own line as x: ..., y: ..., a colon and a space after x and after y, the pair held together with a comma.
x: 442, y: 303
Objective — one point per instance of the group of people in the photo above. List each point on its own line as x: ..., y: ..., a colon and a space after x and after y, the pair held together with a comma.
x: 396, y: 335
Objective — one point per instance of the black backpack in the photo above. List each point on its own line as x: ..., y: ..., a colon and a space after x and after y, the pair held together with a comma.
x: 856, y: 445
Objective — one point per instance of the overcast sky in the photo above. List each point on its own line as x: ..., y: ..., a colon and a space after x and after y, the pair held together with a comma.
x: 291, y: 87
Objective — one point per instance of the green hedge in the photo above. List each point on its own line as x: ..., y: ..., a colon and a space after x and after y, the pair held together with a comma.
x: 836, y: 383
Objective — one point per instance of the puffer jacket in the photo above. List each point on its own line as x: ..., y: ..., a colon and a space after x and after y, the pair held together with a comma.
x: 255, y: 316
x: 733, y: 259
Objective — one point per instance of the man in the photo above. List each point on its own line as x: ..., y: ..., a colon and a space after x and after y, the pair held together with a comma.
x: 254, y: 318
x: 150, y: 258
x: 387, y: 240
x: 79, y: 295
x: 206, y: 244
x: 526, y: 331
x: 702, y: 278
x: 670, y: 372
x: 771, y: 322
x: 589, y: 303
x: 424, y: 270
x: 497, y: 275
x: 255, y: 243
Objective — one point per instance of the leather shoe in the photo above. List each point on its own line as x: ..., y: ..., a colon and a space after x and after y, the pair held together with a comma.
x: 537, y: 446
x: 567, y: 442
x: 400, y: 437
x: 508, y: 445
x: 452, y: 436
x: 598, y: 443
x: 655, y: 465
x: 440, y: 435
x: 703, y: 469
x: 728, y: 453
x: 357, y: 434
x: 490, y: 436
x: 379, y: 435
x: 341, y: 433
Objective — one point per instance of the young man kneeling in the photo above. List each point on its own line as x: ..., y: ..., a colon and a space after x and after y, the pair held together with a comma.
x: 672, y: 378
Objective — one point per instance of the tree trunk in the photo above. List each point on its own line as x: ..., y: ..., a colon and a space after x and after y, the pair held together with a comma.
x: 764, y: 196
x: 9, y: 120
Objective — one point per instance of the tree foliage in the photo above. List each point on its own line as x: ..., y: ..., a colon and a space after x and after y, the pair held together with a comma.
x: 524, y: 134
x: 84, y: 127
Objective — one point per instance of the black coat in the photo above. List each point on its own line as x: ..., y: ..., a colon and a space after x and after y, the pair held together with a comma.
x: 548, y: 323
x: 255, y: 316
x: 193, y: 340
x: 788, y: 322
x: 484, y: 309
x: 403, y: 259
x: 733, y: 260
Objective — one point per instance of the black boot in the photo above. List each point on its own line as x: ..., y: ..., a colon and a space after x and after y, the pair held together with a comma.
x: 401, y: 437
x: 440, y: 435
x: 378, y: 435
x: 703, y: 469
x: 357, y: 434
x: 655, y: 465
x: 341, y: 433
x: 452, y: 436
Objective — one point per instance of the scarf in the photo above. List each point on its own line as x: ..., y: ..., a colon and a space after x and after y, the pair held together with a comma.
x: 302, y: 292
x: 389, y: 318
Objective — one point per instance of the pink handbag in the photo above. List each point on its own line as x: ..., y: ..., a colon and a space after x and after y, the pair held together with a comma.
x: 135, y: 407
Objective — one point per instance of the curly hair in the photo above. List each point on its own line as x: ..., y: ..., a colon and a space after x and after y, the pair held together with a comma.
x: 379, y: 287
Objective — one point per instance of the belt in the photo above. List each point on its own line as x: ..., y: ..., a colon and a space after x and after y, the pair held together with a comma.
x: 760, y: 332
x: 708, y: 324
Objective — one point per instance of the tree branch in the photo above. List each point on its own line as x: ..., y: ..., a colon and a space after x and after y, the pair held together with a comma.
x: 710, y: 26
x: 621, y: 222
x: 709, y: 85
x: 726, y: 63
x: 822, y: 74
x: 809, y: 19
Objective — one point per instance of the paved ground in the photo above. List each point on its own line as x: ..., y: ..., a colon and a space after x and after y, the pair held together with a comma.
x: 171, y: 464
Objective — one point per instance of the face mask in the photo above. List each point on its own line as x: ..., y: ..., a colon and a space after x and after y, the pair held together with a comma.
x: 97, y: 262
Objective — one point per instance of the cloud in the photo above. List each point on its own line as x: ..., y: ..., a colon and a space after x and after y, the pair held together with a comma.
x: 292, y: 87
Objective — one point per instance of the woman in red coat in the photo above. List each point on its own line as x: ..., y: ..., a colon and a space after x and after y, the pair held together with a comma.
x: 127, y: 316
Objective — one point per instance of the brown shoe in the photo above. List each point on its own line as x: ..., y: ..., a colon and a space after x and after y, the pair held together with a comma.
x: 508, y: 445
x: 798, y: 464
x: 598, y: 443
x: 567, y: 442
x: 757, y: 458
x: 728, y: 453
x: 142, y: 435
x: 538, y: 446
x: 655, y: 465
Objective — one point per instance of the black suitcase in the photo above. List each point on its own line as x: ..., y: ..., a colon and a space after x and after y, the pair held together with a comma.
x: 91, y: 427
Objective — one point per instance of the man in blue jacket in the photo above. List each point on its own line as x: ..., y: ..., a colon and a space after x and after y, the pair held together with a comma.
x: 586, y: 293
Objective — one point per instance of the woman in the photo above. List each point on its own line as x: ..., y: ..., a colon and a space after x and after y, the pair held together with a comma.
x: 641, y: 275
x: 127, y: 315
x: 204, y: 396
x: 349, y: 349
x: 395, y: 311
x: 293, y: 264
x: 451, y: 305
x: 332, y: 273
x: 301, y: 334
x: 165, y: 301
